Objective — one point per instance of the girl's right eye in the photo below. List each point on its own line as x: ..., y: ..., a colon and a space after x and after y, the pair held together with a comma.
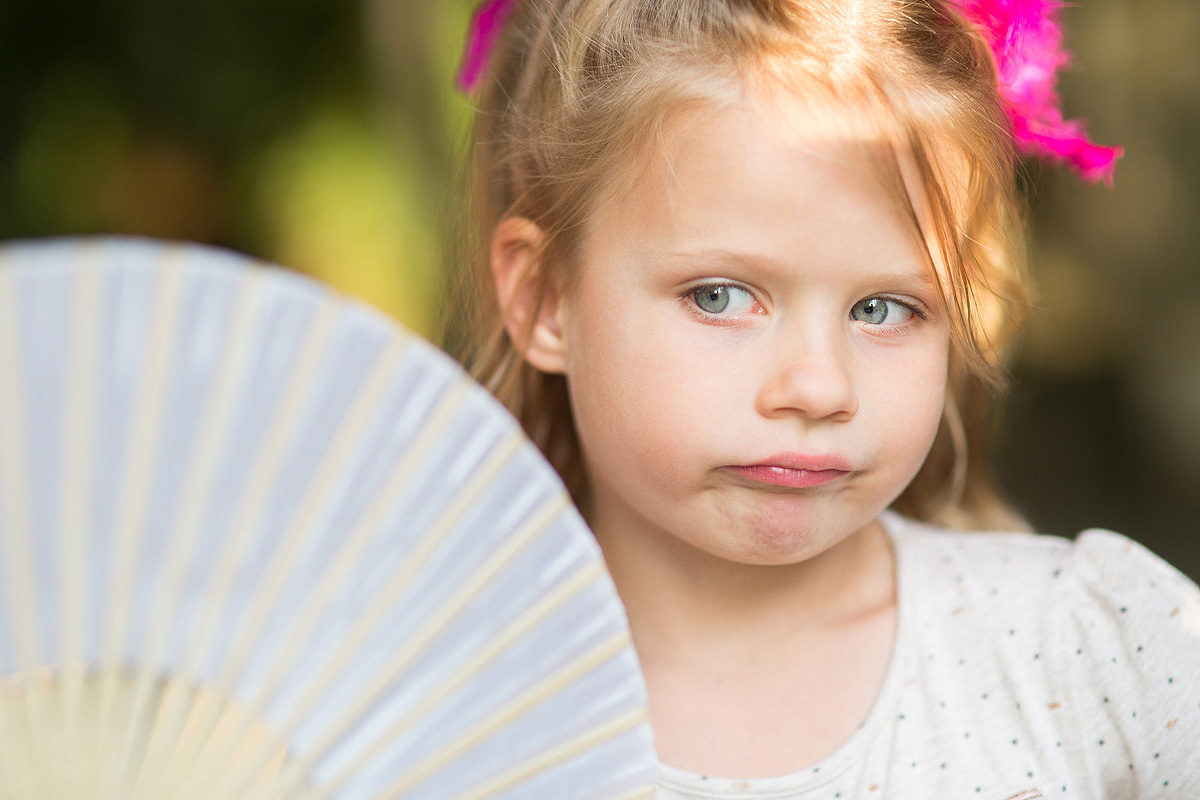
x: 724, y: 299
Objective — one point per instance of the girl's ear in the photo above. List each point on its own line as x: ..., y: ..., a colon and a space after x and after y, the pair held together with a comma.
x: 530, y: 305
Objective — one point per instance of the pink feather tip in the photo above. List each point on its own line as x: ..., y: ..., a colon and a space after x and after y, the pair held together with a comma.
x: 486, y: 24
x: 1026, y: 38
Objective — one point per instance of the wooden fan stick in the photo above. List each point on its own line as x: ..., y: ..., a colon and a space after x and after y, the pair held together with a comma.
x: 176, y: 605
x: 596, y: 737
x: 264, y: 606
x: 644, y: 793
x: 265, y: 471
x: 79, y: 441
x: 133, y: 504
x: 514, y: 708
x: 503, y: 639
x: 417, y: 642
x: 349, y: 552
x: 18, y: 561
x: 369, y: 618
x: 182, y: 543
x: 23, y: 722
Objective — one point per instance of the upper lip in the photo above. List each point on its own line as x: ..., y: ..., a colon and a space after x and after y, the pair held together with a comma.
x: 809, y: 462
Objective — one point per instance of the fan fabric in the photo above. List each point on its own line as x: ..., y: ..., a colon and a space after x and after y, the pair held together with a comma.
x: 256, y: 541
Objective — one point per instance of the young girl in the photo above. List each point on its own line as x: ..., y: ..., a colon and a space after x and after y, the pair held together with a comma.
x: 746, y: 271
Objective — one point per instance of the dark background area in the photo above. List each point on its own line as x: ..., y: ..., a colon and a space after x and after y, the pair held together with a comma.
x: 323, y: 134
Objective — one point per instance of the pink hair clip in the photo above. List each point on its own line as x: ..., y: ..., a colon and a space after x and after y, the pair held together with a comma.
x: 1026, y: 38
x: 486, y: 24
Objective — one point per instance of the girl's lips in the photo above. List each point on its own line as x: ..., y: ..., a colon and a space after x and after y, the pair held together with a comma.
x: 787, y: 476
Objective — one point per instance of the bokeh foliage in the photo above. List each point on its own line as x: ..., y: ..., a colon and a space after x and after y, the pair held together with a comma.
x: 260, y: 125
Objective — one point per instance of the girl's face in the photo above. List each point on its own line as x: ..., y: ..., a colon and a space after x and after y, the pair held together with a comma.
x: 755, y: 352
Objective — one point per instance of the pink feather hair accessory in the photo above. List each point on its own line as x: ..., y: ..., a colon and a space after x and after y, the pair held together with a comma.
x: 486, y: 24
x: 1026, y: 38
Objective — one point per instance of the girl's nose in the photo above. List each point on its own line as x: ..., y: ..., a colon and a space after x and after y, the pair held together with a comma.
x: 814, y: 383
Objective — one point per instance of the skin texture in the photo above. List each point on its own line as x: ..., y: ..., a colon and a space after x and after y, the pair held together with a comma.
x: 757, y: 364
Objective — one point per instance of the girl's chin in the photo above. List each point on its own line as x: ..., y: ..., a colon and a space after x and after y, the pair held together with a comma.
x: 787, y: 530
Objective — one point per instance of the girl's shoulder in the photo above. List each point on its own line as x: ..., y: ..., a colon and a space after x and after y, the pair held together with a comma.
x: 1109, y: 595
x: 1095, y: 641
x: 1099, y: 572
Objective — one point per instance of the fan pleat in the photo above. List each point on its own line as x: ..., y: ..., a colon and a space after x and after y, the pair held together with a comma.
x: 503, y: 639
x: 186, y: 539
x: 335, y: 576
x: 256, y: 543
x: 337, y: 729
x: 369, y: 618
x: 522, y: 772
x: 182, y: 758
x: 18, y: 727
x: 131, y: 520
x: 506, y: 713
x: 28, y: 647
x: 78, y: 453
x: 265, y: 609
x: 245, y: 520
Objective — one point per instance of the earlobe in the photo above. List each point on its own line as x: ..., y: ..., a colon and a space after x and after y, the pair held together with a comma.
x: 529, y: 299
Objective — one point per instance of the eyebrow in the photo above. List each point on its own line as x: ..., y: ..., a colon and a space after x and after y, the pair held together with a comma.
x: 917, y: 280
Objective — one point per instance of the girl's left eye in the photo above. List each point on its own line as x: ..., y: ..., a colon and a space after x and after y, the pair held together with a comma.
x: 882, y: 311
x: 724, y: 299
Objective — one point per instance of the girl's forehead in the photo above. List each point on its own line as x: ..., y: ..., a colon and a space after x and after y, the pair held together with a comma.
x: 742, y: 149
x: 864, y: 142
x: 741, y: 179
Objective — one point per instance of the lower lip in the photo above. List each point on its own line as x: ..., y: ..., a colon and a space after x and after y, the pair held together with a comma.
x: 788, y: 477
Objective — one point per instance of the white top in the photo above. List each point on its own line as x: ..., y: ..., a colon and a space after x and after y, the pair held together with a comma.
x: 1025, y: 666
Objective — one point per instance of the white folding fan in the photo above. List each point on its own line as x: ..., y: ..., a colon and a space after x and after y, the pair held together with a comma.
x: 258, y: 542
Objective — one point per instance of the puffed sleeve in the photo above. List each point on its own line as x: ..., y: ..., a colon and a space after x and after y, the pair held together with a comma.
x: 1130, y: 637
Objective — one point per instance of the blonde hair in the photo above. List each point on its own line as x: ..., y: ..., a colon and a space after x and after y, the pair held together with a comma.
x: 579, y: 90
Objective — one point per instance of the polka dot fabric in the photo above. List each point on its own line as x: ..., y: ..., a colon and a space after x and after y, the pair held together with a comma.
x: 1025, y: 667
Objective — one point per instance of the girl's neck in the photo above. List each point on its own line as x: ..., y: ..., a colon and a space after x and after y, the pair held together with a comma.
x: 680, y: 598
x: 756, y: 671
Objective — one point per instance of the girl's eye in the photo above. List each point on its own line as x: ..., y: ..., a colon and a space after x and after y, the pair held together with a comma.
x: 723, y: 298
x: 882, y: 311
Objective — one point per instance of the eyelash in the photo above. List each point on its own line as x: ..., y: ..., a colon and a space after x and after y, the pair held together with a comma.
x: 919, y: 311
x: 689, y: 294
x: 689, y: 298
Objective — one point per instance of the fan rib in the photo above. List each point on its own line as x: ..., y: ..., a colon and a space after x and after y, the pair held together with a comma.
x: 265, y: 471
x: 641, y: 793
x: 213, y: 593
x: 514, y: 708
x: 607, y: 731
x: 349, y: 434
x: 18, y: 561
x: 336, y: 572
x: 133, y: 504
x: 431, y: 627
x: 77, y: 462
x: 503, y: 639
x: 369, y: 619
x: 264, y: 605
x: 350, y: 552
x: 218, y: 410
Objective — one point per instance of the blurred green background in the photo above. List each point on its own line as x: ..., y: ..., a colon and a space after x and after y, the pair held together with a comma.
x: 325, y: 134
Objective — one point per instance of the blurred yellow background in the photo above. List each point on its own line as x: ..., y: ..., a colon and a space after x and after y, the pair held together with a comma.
x: 326, y: 135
